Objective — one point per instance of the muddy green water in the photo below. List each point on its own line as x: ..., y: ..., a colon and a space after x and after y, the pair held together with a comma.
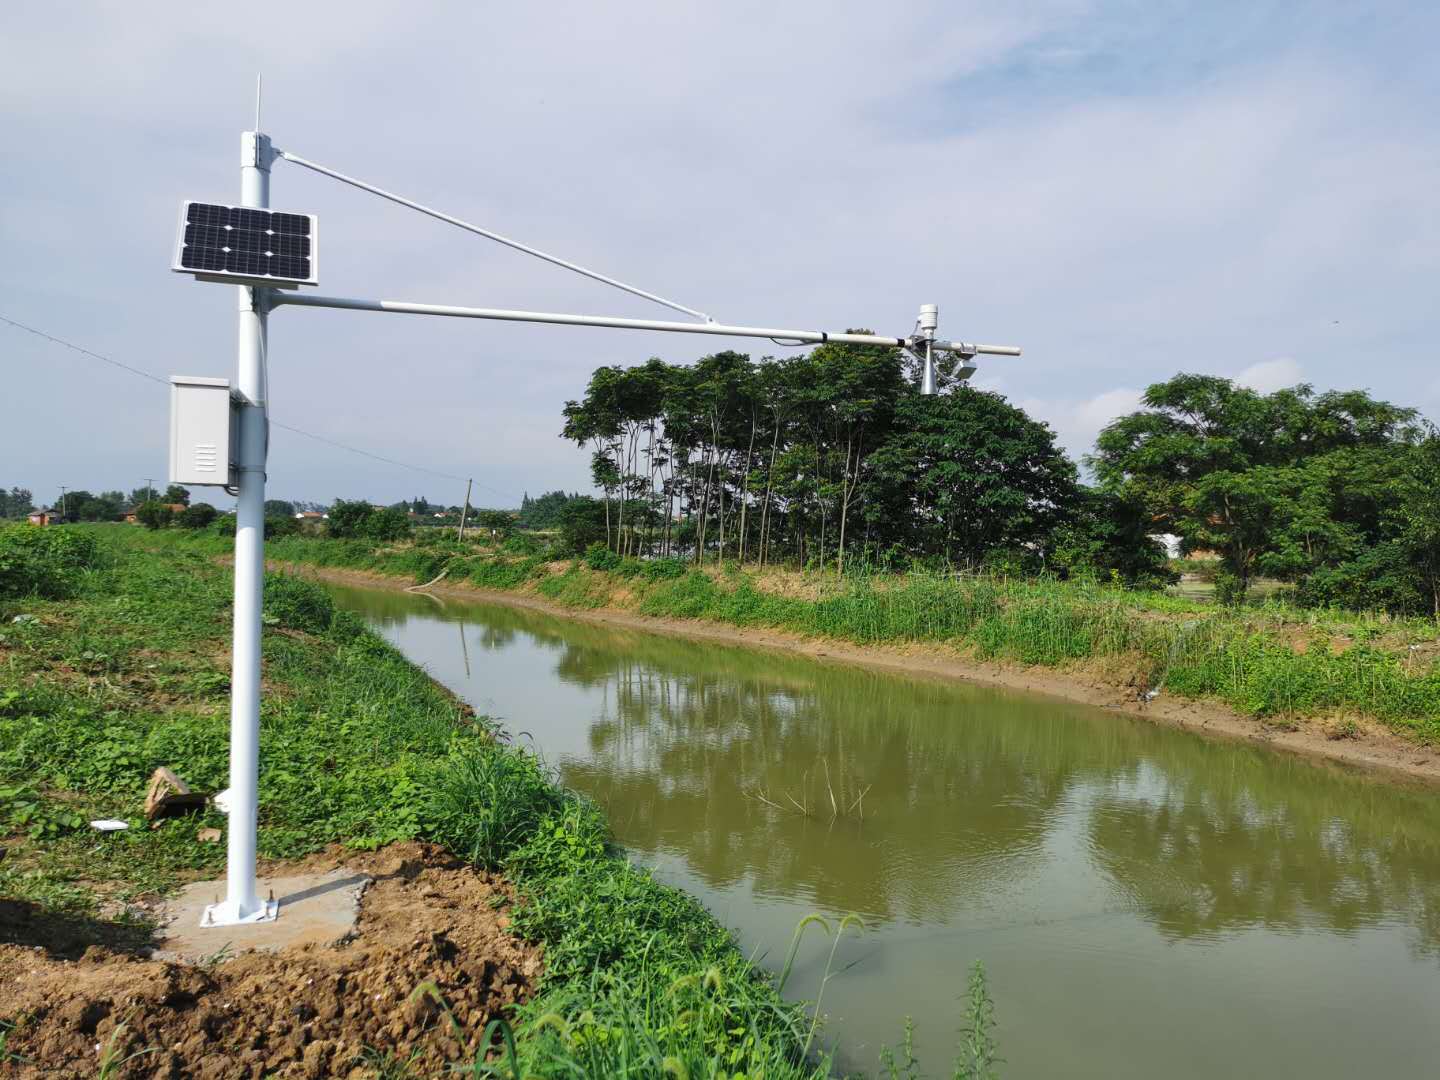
x: 1147, y: 903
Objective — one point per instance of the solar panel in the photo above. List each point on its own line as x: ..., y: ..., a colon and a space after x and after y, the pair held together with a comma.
x: 248, y: 246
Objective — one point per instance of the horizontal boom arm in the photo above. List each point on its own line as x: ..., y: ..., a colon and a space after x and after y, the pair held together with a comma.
x: 804, y: 337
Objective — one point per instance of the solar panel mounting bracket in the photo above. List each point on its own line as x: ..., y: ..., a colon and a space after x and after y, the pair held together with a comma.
x: 236, y: 279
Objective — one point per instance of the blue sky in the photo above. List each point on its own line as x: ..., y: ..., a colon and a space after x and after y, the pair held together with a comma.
x: 1126, y: 190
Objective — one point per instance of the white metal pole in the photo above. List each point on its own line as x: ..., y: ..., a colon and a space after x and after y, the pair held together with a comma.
x: 241, y: 903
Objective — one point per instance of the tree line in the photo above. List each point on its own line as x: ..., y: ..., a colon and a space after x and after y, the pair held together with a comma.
x: 1336, y: 492
x: 83, y: 505
x: 832, y: 456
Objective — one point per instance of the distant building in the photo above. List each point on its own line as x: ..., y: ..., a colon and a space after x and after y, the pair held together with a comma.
x: 45, y: 517
x: 311, y: 515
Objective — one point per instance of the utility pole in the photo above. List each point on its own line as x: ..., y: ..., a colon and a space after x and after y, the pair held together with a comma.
x: 149, y: 489
x: 465, y: 509
x: 63, y: 513
x: 241, y: 904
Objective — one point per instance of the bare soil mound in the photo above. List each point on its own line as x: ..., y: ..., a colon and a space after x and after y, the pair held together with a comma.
x: 307, y: 1012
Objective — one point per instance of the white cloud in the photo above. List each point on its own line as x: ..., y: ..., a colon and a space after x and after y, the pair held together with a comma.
x: 1078, y: 422
x: 1120, y: 219
x: 1270, y: 375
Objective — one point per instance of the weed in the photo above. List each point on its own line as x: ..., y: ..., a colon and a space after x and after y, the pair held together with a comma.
x: 6, y: 1054
x: 1345, y: 728
x: 113, y: 1056
x: 23, y: 810
x: 211, y: 961
x: 907, y: 1066
x: 977, y: 1058
x: 489, y: 800
x: 44, y: 562
x: 385, y: 1065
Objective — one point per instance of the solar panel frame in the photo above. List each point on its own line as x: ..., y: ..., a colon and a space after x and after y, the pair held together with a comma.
x: 274, y: 281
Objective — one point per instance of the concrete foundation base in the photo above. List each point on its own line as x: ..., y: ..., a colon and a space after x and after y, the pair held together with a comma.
x: 315, y: 909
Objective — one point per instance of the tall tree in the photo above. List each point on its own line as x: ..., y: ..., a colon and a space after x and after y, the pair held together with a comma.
x: 1249, y: 475
x: 967, y: 475
x: 17, y: 502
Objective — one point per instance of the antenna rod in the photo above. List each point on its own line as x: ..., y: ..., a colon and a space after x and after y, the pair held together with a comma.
x: 803, y: 337
x: 478, y: 231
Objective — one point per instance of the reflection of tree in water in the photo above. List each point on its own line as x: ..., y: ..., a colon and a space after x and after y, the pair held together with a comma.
x: 1267, y: 845
x: 1206, y: 838
x: 680, y: 751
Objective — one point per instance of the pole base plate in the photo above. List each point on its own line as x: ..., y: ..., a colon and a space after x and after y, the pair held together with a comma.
x: 227, y: 914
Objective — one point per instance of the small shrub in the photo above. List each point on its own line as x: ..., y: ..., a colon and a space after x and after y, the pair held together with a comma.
x: 1229, y: 588
x: 522, y: 543
x: 154, y: 514
x: 197, y: 516
x: 664, y: 569
x: 44, y: 562
x: 297, y: 605
x: 600, y: 557
x: 277, y: 526
x: 357, y: 519
x: 389, y: 524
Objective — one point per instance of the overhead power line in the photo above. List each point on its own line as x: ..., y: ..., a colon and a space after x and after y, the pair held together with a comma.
x: 91, y: 354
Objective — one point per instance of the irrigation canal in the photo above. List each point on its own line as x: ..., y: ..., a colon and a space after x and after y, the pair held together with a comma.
x: 1146, y: 902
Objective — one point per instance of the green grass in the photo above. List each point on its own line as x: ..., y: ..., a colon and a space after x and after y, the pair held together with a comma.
x: 1268, y: 660
x: 1246, y: 658
x: 362, y: 748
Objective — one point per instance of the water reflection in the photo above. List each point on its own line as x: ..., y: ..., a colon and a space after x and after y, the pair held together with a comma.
x: 964, y: 785
x: 1074, y: 845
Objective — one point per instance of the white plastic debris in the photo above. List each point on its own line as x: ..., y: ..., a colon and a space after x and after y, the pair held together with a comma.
x: 221, y: 801
x: 109, y: 825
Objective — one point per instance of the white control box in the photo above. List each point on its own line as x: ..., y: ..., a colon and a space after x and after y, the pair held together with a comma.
x: 203, y: 433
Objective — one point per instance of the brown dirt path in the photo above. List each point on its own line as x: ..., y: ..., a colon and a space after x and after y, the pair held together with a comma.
x: 307, y: 1012
x: 1370, y: 747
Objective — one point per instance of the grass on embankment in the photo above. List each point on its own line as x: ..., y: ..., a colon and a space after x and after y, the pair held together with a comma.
x: 1270, y: 661
x: 124, y: 668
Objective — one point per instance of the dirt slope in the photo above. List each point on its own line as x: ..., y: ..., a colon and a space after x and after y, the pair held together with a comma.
x: 310, y: 1012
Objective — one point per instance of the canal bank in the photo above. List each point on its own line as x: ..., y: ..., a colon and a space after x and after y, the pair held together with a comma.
x: 1146, y: 902
x: 493, y: 884
x: 1363, y: 745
